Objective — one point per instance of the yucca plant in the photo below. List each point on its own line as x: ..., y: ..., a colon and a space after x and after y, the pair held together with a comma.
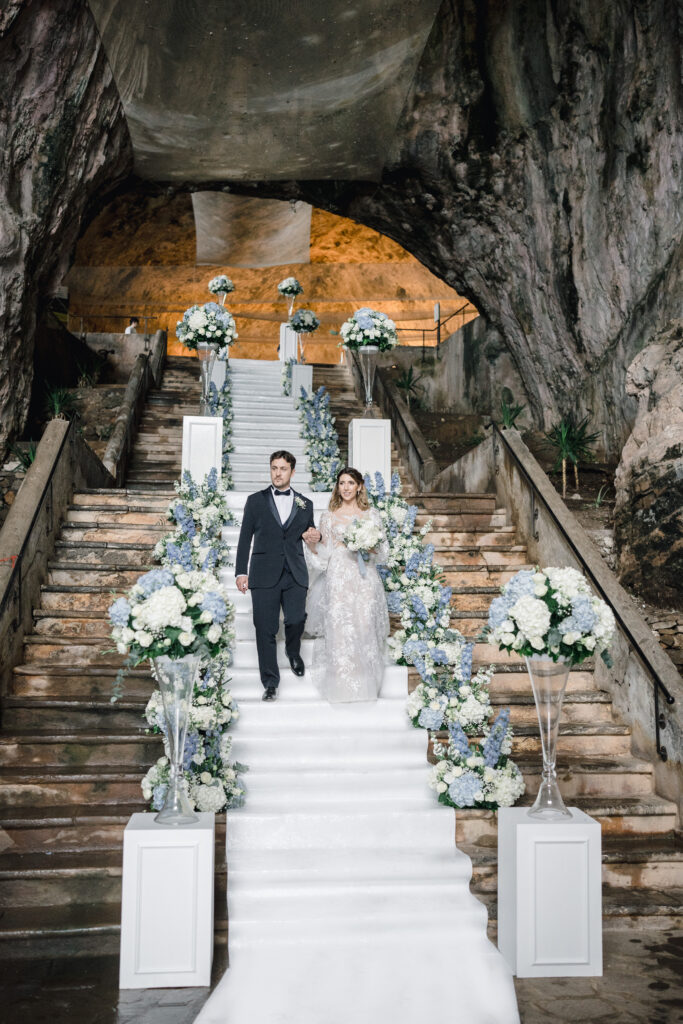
x: 510, y: 411
x: 25, y: 456
x: 409, y: 384
x: 60, y: 404
x: 572, y: 442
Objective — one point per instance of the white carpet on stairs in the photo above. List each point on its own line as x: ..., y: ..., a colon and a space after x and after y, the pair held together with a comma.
x: 348, y: 902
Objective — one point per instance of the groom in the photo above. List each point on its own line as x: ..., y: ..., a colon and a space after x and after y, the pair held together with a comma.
x: 278, y: 519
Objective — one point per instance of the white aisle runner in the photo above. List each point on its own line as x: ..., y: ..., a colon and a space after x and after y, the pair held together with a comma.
x: 348, y: 902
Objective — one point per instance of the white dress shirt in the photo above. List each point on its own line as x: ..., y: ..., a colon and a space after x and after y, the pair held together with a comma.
x: 283, y: 503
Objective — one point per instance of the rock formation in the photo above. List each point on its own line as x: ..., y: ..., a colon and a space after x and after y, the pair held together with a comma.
x: 63, y: 141
x: 649, y: 480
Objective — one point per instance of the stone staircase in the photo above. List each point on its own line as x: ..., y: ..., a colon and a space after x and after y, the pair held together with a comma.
x: 642, y: 851
x: 71, y: 762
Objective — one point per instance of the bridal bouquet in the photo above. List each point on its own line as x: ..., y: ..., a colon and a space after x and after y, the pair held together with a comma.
x: 221, y: 285
x: 173, y: 612
x: 209, y: 323
x: 362, y: 536
x: 473, y: 774
x: 304, y: 321
x: 551, y: 612
x: 290, y: 287
x: 368, y: 327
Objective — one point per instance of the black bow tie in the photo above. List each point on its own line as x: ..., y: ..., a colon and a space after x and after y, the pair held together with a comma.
x: 287, y: 492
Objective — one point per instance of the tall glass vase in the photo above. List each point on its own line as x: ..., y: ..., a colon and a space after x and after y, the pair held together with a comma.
x: 207, y: 357
x: 176, y: 679
x: 368, y: 364
x: 548, y: 681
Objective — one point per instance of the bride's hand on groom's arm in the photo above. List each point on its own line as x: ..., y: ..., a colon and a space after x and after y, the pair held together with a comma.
x: 311, y: 537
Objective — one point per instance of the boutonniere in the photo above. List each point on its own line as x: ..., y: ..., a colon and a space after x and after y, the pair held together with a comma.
x: 300, y: 502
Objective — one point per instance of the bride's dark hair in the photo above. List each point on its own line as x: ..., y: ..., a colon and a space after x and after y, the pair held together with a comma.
x: 362, y: 496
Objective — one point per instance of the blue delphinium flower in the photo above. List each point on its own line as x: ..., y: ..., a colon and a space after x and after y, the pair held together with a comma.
x: 159, y: 795
x: 215, y: 605
x: 395, y: 484
x: 394, y: 602
x: 192, y: 741
x: 429, y: 718
x: 180, y: 554
x: 419, y: 608
x: 119, y: 612
x: 212, y: 479
x: 379, y: 485
x: 494, y: 740
x: 459, y: 739
x: 189, y: 484
x: 439, y: 657
x: 466, y: 662
x: 463, y: 791
x: 155, y: 580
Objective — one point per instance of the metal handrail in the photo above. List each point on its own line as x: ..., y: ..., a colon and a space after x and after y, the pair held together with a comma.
x: 626, y: 630
x: 437, y: 327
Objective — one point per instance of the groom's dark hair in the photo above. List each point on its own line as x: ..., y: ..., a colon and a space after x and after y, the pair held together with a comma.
x: 287, y: 456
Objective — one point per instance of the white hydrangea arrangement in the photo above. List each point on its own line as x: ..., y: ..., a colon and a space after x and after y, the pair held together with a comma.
x: 210, y: 323
x: 304, y: 321
x: 369, y: 327
x: 221, y: 285
x: 551, y: 612
x: 320, y: 437
x: 173, y: 612
x: 290, y: 287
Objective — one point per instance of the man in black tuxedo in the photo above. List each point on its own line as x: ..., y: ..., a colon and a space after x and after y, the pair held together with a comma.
x: 278, y: 519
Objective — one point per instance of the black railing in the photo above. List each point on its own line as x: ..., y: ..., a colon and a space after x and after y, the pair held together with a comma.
x: 536, y: 495
x: 437, y: 328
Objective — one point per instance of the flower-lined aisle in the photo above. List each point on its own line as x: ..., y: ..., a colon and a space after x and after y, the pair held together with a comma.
x: 183, y: 608
x: 474, y: 769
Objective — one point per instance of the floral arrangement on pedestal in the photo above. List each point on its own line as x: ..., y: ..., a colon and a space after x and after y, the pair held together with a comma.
x: 213, y: 781
x: 552, y: 612
x: 221, y: 285
x: 287, y: 376
x: 414, y: 586
x: 321, y: 443
x: 304, y: 321
x: 210, y: 323
x: 289, y: 288
x: 368, y: 327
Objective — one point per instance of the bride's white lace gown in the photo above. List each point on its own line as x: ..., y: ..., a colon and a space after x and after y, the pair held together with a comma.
x: 347, y: 613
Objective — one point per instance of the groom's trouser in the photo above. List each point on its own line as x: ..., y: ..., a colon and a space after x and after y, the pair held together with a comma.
x: 266, y: 603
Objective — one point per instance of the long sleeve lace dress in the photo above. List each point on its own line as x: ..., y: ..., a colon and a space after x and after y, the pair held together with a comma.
x: 347, y: 614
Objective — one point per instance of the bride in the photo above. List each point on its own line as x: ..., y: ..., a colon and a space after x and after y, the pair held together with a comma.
x: 347, y: 608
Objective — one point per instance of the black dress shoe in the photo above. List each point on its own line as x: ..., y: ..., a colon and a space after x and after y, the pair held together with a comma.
x: 298, y: 667
x: 270, y: 693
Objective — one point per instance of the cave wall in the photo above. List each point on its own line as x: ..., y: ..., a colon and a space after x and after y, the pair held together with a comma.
x: 63, y: 141
x: 537, y: 170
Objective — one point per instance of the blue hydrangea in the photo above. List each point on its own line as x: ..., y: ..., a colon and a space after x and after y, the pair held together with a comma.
x: 521, y: 585
x: 394, y: 602
x: 463, y: 791
x: 119, y: 612
x: 459, y: 739
x: 214, y: 604
x: 439, y: 657
x: 498, y: 611
x: 155, y: 580
x: 159, y: 795
x: 430, y: 718
x: 364, y: 322
x: 582, y: 618
x: 192, y: 741
x: 494, y: 740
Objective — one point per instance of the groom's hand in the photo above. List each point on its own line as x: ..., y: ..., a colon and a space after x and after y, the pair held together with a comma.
x: 242, y: 584
x: 311, y: 536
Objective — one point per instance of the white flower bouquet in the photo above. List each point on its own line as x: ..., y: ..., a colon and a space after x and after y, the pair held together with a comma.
x: 369, y: 327
x: 477, y: 774
x: 210, y: 323
x: 304, y: 321
x: 551, y: 612
x: 172, y: 612
x: 221, y: 285
x: 290, y: 287
x: 362, y: 536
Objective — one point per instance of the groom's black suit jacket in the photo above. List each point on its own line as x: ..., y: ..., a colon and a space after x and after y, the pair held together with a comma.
x: 275, y: 543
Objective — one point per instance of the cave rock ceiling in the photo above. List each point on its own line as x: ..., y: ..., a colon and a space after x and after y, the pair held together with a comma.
x: 263, y: 90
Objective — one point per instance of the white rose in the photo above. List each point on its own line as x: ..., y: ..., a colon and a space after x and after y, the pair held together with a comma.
x: 186, y: 639
x: 441, y: 787
x: 213, y: 634
x: 206, y: 778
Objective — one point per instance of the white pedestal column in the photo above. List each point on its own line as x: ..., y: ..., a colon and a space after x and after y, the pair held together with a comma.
x: 289, y: 343
x: 550, y: 894
x: 302, y: 377
x: 370, y: 447
x: 167, y: 903
x: 202, y: 445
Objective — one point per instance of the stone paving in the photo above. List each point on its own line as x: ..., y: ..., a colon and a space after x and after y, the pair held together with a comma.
x: 643, y: 984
